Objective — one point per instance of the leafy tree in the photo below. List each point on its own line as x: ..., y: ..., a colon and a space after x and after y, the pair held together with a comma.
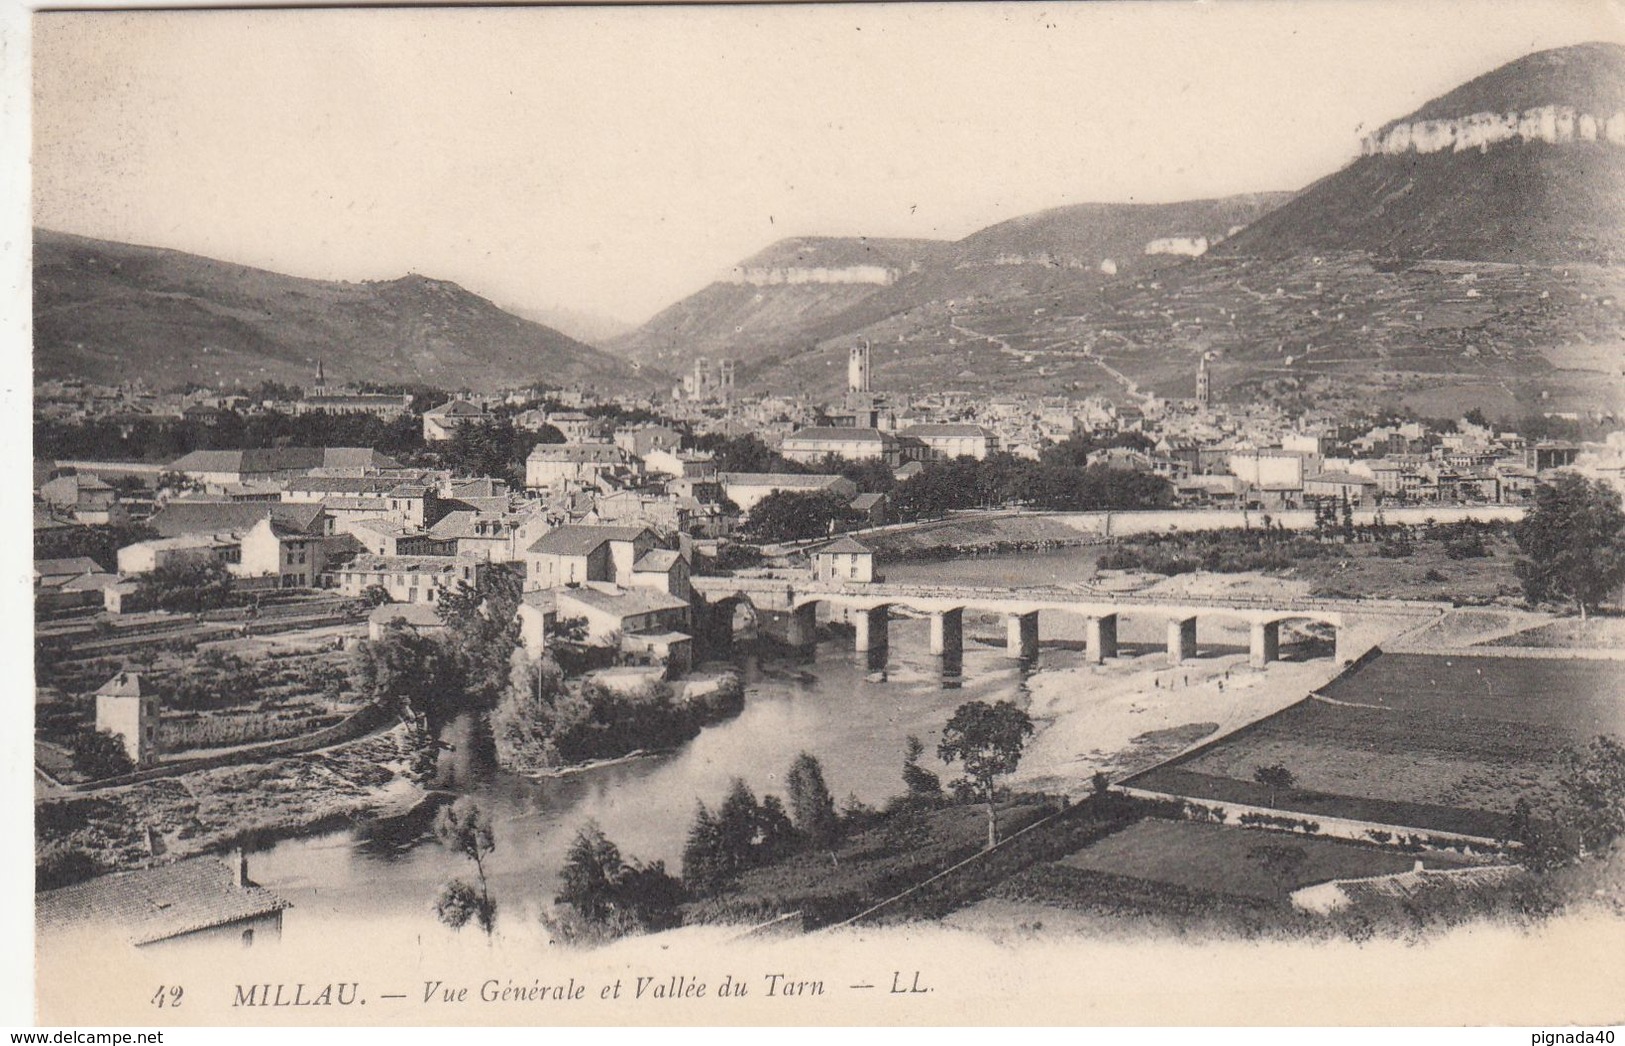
x: 464, y: 828
x: 1276, y: 778
x: 1573, y: 543
x: 812, y: 808
x: 188, y: 588
x: 483, y: 629
x: 410, y: 674
x: 745, y: 454
x: 705, y: 861
x: 99, y: 542
x: 592, y: 872
x: 790, y: 515
x: 989, y: 740
x: 738, y: 826
x: 920, y: 782
x: 871, y: 475
x: 1592, y: 781
x: 99, y: 754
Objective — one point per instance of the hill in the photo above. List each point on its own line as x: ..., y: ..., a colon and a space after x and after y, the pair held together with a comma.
x: 1523, y: 164
x: 1471, y: 256
x: 798, y: 292
x: 111, y: 312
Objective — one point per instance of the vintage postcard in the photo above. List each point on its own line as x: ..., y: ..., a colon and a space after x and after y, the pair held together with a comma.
x: 825, y: 514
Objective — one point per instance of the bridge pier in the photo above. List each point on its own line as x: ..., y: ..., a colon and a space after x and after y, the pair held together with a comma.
x: 948, y: 632
x: 1021, y: 635
x: 1181, y: 639
x: 801, y: 626
x: 871, y: 628
x: 1101, y: 636
x: 1266, y: 643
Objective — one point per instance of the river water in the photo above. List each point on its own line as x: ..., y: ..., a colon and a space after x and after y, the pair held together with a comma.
x: 833, y: 705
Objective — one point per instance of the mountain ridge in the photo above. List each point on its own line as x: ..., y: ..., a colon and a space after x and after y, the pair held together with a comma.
x: 109, y: 311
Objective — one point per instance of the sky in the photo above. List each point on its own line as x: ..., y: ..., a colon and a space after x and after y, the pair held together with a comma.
x: 615, y: 160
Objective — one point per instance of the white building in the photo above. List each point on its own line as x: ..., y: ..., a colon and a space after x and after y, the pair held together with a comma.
x: 123, y: 709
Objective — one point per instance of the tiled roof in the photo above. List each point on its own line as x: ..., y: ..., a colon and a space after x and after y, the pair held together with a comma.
x: 831, y: 434
x: 626, y: 601
x: 155, y: 904
x: 844, y: 546
x: 457, y: 409
x: 125, y: 684
x: 220, y: 517
x: 280, y: 459
x: 656, y: 561
x: 947, y: 430
x: 578, y: 453
x: 782, y: 480
x: 579, y: 539
x: 66, y: 567
x: 370, y: 564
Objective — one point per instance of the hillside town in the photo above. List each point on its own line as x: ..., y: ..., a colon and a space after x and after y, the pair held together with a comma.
x: 551, y: 645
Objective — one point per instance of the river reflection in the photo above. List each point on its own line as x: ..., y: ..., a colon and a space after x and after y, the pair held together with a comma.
x: 852, y: 710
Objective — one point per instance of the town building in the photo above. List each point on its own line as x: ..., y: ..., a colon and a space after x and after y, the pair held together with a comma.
x: 550, y: 464
x: 441, y: 423
x: 275, y: 549
x: 144, y: 557
x: 232, y: 467
x: 214, y: 516
x: 408, y: 579
x: 845, y: 559
x: 745, y: 489
x: 614, y: 613
x: 812, y: 445
x: 203, y: 901
x: 578, y: 553
x: 123, y: 708
x: 947, y: 441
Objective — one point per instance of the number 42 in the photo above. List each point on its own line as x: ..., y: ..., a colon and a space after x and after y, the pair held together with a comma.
x: 168, y: 995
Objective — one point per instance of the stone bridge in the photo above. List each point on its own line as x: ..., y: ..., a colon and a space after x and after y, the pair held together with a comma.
x: 868, y: 606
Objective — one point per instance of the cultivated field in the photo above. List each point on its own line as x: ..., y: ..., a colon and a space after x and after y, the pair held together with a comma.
x: 1235, y: 862
x: 1441, y: 742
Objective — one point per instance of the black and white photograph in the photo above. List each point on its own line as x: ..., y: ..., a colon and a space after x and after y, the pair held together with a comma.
x: 821, y: 514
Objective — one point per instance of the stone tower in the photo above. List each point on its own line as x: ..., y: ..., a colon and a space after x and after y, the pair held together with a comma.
x: 857, y: 368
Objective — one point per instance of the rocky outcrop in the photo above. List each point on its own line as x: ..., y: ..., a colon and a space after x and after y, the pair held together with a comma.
x: 1553, y: 124
x: 758, y: 276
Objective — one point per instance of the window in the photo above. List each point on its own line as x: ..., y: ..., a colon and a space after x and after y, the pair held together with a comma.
x: 852, y: 566
x: 248, y: 938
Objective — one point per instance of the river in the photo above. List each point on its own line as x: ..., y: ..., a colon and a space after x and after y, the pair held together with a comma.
x: 832, y: 706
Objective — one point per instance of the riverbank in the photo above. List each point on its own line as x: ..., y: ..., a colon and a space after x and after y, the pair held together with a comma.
x: 216, y: 809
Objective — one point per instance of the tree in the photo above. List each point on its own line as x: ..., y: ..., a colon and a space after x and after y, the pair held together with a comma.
x: 1573, y: 543
x: 920, y: 782
x: 989, y: 740
x: 1592, y: 780
x: 592, y: 871
x: 1276, y: 778
x: 483, y: 630
x: 101, y: 753
x: 187, y: 588
x: 410, y: 674
x: 812, y: 808
x: 789, y: 515
x: 464, y: 828
x: 705, y: 864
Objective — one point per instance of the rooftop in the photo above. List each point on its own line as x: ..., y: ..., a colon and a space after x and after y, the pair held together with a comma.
x: 582, y: 539
x: 625, y: 601
x: 154, y: 904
